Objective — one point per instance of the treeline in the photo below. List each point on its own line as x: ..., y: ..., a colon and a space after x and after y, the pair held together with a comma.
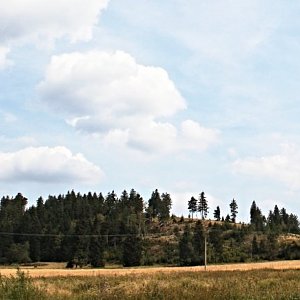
x: 93, y: 229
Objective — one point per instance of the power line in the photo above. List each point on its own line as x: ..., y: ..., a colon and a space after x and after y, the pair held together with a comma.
x: 75, y: 235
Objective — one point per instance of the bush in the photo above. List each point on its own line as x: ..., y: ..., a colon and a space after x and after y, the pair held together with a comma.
x: 19, y: 287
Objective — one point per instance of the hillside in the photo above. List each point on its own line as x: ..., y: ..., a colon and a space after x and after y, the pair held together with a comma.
x: 93, y: 230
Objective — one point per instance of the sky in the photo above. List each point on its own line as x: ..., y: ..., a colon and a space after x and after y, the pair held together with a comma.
x: 182, y: 96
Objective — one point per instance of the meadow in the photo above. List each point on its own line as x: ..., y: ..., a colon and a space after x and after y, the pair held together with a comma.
x: 179, y: 283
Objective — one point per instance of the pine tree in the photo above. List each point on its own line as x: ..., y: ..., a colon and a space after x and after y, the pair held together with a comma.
x: 192, y: 206
x: 97, y: 245
x: 165, y: 206
x: 132, y: 251
x: 255, y: 248
x: 154, y: 204
x: 96, y: 252
x: 136, y: 201
x: 198, y: 243
x: 257, y: 220
x: 217, y: 214
x: 202, y: 206
x: 216, y: 239
x: 233, y: 210
x: 227, y: 219
x: 186, y: 251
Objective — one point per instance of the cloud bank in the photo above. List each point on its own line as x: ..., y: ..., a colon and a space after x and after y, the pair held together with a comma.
x: 47, y: 165
x: 42, y: 20
x: 283, y: 167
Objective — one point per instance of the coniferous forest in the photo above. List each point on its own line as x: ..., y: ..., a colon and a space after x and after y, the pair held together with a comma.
x: 96, y: 230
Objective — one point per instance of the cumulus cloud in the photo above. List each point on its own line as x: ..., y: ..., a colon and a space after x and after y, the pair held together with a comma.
x: 283, y: 167
x: 113, y: 84
x: 111, y: 94
x: 195, y: 136
x: 49, y: 165
x: 42, y: 20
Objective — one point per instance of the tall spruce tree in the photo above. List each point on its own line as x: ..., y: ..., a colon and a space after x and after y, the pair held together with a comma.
x: 233, y: 210
x: 217, y: 214
x: 217, y: 242
x: 257, y: 220
x: 154, y: 204
x: 186, y: 250
x: 132, y: 251
x: 202, y: 205
x: 192, y: 206
x: 96, y: 252
x: 198, y: 243
x: 165, y: 207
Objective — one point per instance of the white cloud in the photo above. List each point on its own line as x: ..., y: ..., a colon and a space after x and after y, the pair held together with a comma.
x: 110, y: 85
x: 49, y: 165
x: 44, y: 21
x: 283, y: 167
x: 4, y: 61
x: 41, y: 22
x: 111, y: 94
x: 197, y: 137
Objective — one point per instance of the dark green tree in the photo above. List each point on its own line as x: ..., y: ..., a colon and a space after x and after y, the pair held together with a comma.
x: 198, y: 243
x: 257, y: 220
x: 18, y: 253
x: 217, y: 213
x: 186, y: 251
x: 202, y: 205
x: 217, y: 241
x: 132, y: 251
x: 97, y: 252
x: 227, y: 219
x: 136, y: 202
x: 255, y: 248
x: 192, y: 206
x: 233, y: 210
x: 165, y: 206
x: 154, y: 204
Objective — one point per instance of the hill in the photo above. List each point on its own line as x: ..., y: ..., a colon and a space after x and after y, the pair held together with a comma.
x: 93, y: 230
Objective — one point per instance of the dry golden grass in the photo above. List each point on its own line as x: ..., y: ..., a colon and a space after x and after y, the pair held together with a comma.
x: 52, y: 272
x: 288, y: 238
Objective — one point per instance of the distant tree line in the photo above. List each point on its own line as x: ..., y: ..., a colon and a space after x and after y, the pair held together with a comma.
x: 93, y: 229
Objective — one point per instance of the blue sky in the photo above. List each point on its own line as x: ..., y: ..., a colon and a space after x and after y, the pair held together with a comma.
x: 182, y: 96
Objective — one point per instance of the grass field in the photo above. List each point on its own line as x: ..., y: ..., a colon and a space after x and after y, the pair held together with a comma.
x: 280, y: 281
x: 58, y: 269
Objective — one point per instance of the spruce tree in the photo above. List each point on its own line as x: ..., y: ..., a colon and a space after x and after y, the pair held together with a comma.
x: 96, y: 252
x: 192, y: 206
x: 233, y: 210
x: 198, y: 243
x: 202, y: 206
x: 217, y: 214
x: 154, y: 204
x: 132, y: 251
x: 165, y: 206
x: 186, y: 251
